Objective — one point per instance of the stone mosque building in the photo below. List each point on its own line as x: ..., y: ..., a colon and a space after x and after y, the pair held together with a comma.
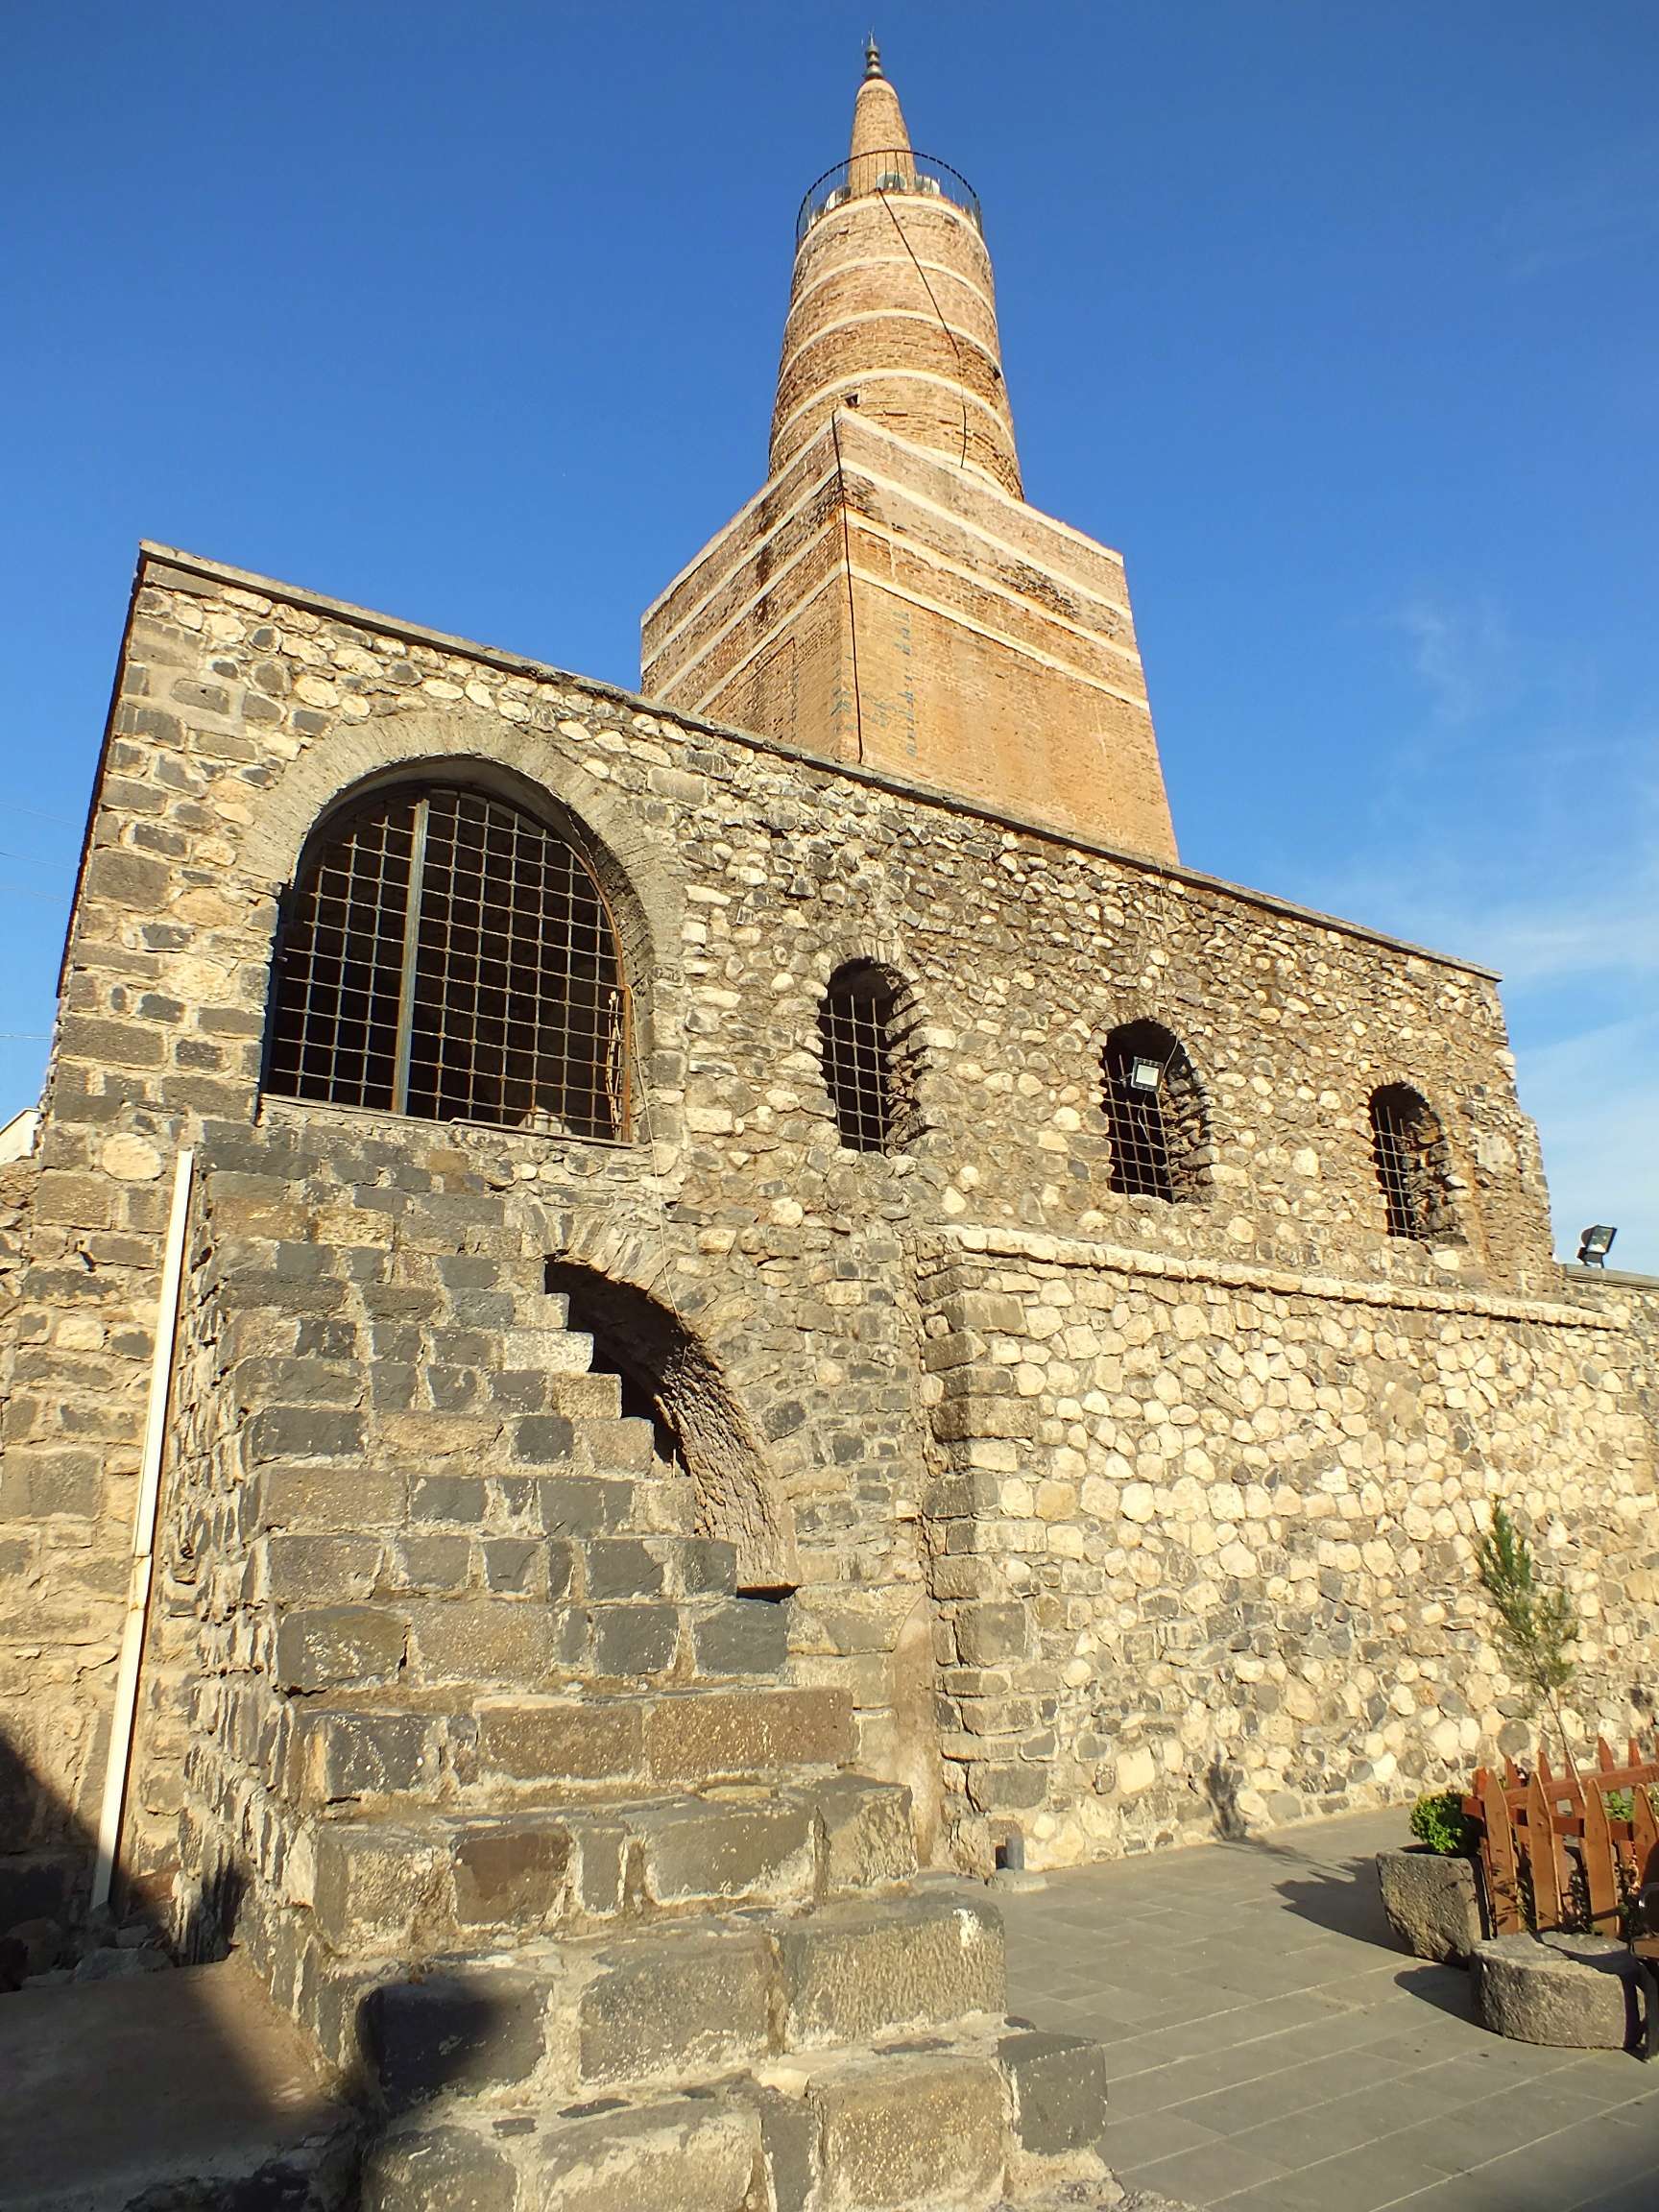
x: 634, y: 1316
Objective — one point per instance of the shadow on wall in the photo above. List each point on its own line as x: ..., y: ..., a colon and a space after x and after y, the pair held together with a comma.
x: 45, y: 1854
x: 220, y: 2102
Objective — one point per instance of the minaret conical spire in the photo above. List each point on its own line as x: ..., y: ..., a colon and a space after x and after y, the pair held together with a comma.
x: 881, y: 141
x: 893, y: 309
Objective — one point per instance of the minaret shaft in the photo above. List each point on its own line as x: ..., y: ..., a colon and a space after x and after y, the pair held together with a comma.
x: 892, y: 309
x: 888, y: 598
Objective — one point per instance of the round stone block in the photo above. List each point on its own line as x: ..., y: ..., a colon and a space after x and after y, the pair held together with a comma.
x: 1579, y: 1992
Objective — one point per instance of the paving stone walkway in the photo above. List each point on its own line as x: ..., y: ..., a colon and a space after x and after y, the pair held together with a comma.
x: 1271, y: 2051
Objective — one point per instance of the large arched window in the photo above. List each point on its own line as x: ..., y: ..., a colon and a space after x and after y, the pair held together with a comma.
x: 868, y: 1069
x: 1155, y: 1114
x: 444, y: 953
x: 1412, y: 1169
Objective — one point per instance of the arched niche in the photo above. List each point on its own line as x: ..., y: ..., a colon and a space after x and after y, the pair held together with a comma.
x: 671, y: 1379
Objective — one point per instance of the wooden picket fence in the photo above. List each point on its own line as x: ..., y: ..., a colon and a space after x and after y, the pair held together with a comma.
x: 1553, y: 1835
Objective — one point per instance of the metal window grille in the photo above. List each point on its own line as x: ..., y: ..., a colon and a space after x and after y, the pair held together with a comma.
x: 1405, y: 1137
x: 1154, y: 1114
x: 446, y: 956
x: 861, y: 1069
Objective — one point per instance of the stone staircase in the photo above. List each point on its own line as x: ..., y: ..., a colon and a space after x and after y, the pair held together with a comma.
x: 506, y: 1787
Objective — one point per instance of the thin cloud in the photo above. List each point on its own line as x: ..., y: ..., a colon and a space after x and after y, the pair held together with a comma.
x: 1539, y: 857
x: 1464, y: 657
x: 1611, y: 209
x: 1596, y: 1099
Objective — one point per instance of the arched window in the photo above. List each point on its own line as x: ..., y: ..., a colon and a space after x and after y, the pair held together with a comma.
x: 443, y: 953
x: 1155, y: 1114
x: 867, y: 1069
x: 1412, y: 1166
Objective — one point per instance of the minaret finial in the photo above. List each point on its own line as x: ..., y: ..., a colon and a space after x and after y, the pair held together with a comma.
x: 872, y: 57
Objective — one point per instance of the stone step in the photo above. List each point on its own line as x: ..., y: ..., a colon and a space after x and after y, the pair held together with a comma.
x: 453, y: 1554
x: 683, y: 2002
x: 602, y: 1438
x: 966, y: 2123
x: 541, y: 1343
x: 511, y: 1751
x: 348, y: 1497
x: 494, y: 1641
x: 414, y: 1884
x: 587, y: 1396
x: 664, y: 2154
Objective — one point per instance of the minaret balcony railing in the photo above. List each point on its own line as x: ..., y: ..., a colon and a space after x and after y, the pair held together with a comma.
x: 893, y: 169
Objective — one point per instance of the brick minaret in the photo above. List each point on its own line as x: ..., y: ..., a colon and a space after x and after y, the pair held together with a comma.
x: 888, y: 596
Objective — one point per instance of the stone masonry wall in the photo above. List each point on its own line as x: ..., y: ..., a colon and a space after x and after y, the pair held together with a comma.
x: 1206, y: 1551
x: 742, y: 876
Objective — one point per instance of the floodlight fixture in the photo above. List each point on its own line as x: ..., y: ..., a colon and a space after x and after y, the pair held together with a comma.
x: 1145, y: 1075
x: 1594, y: 1244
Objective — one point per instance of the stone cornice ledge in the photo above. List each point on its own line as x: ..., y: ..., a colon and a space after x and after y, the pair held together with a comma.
x: 1280, y: 1282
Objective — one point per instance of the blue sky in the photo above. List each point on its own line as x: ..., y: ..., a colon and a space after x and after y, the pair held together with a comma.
x: 1341, y: 322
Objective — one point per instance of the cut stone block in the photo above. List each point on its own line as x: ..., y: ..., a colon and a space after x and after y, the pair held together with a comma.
x: 866, y: 1832
x: 492, y: 1640
x: 1577, y: 1992
x: 376, y: 1884
x: 687, y: 2154
x: 684, y: 2004
x: 697, y: 1850
x: 327, y: 1497
x: 340, y: 1646
x: 717, y: 1734
x: 989, y: 1635
x: 513, y: 1874
x: 909, y: 2130
x: 438, y: 2170
x: 862, y: 1969
x: 617, y: 1445
x: 469, y: 2030
x: 583, y: 1504
x: 1056, y: 2092
x: 585, y: 1397
x: 742, y: 1636
x: 622, y: 1567
x: 635, y: 1641
x: 338, y: 1756
x: 595, y: 1739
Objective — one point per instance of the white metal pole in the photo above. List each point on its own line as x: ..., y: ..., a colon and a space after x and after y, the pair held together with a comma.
x: 115, y: 1771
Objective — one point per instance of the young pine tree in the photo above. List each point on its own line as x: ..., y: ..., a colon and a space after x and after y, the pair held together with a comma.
x: 1537, y: 1624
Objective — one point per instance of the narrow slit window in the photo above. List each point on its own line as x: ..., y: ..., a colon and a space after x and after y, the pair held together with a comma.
x: 1155, y: 1114
x: 1409, y: 1149
x: 444, y: 955
x: 867, y: 1069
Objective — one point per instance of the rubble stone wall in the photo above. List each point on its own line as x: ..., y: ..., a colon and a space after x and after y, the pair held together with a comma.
x: 1207, y: 1551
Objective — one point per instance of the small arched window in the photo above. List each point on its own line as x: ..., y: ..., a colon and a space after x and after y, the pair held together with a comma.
x: 444, y: 955
x: 1155, y: 1114
x: 868, y: 1071
x: 1412, y: 1166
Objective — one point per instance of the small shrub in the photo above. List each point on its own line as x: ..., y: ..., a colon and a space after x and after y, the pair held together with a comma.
x: 1438, y: 1821
x: 1537, y: 1623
